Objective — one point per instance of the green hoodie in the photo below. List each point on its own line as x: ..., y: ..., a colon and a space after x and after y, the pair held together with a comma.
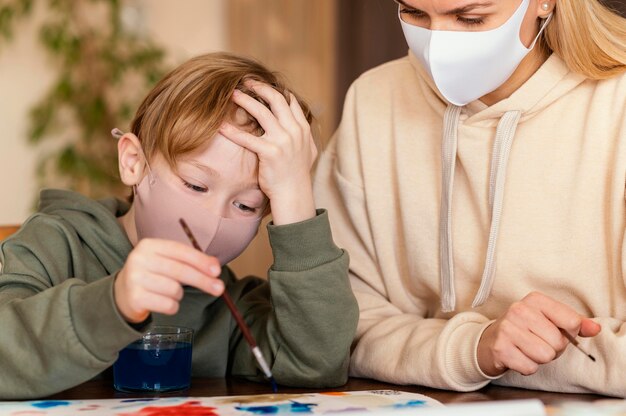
x: 60, y: 325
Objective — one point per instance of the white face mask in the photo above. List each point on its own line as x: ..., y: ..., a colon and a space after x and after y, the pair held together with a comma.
x: 467, y: 65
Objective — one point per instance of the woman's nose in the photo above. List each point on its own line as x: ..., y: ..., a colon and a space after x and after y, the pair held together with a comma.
x: 440, y: 23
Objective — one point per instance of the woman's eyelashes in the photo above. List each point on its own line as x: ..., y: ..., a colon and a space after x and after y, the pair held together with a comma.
x: 470, y: 21
x: 412, y: 12
x: 416, y: 14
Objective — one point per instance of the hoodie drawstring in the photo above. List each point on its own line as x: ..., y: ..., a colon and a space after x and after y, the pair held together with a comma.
x: 448, y: 163
x: 505, y: 134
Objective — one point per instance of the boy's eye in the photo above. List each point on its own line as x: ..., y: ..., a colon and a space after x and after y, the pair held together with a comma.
x: 195, y: 188
x: 243, y: 207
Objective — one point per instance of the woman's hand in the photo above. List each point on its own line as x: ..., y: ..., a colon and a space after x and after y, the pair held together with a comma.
x: 286, y: 151
x: 153, y: 276
x: 529, y: 334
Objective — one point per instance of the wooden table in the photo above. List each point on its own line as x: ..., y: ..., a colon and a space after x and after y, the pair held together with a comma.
x: 103, y: 389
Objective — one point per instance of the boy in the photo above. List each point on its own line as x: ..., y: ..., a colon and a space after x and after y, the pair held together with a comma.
x: 82, y: 278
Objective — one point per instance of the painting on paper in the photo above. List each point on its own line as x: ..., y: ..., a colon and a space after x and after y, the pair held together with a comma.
x: 330, y: 403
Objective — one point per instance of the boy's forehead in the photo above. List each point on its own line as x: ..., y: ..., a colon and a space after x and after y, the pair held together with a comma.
x: 223, y: 158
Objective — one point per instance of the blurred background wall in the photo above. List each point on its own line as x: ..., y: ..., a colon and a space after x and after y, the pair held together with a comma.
x: 321, y: 46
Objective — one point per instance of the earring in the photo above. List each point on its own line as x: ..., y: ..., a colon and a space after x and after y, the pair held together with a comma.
x: 545, y: 6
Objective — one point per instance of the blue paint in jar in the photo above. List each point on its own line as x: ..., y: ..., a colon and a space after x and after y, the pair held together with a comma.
x: 142, y: 367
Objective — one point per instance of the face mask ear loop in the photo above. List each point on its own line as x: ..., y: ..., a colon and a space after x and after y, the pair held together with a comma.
x: 151, y: 178
x: 544, y: 24
x: 117, y: 134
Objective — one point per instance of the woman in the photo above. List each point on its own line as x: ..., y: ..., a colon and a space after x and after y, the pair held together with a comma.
x: 478, y: 185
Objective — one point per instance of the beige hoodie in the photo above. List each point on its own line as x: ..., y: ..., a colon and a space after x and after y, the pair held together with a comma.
x: 557, y: 227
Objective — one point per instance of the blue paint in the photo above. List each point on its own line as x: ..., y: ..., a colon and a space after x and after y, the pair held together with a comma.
x: 293, y: 407
x: 410, y: 404
x: 50, y: 403
x: 156, y: 369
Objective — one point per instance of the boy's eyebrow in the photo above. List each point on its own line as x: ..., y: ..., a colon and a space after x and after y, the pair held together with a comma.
x: 209, y: 170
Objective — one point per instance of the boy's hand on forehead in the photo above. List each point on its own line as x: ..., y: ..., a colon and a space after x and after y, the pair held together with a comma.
x: 153, y: 276
x: 286, y: 151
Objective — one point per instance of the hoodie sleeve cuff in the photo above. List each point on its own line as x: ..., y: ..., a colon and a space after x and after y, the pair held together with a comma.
x: 97, y: 322
x: 461, y: 356
x: 303, y: 245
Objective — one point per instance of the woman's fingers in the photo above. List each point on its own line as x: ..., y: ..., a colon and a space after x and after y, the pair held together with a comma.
x: 558, y: 313
x: 514, y: 338
x: 589, y: 328
x: 520, y: 362
x: 527, y: 317
x: 529, y: 334
x: 534, y: 347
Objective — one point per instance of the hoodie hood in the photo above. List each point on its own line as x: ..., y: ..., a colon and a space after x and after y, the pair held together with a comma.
x: 93, y: 222
x: 550, y: 82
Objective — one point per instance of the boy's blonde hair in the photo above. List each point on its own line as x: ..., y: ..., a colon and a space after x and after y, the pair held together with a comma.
x: 589, y: 37
x: 186, y: 108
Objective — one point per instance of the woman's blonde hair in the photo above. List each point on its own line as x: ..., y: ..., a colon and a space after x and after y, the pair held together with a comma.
x: 589, y: 37
x: 187, y: 107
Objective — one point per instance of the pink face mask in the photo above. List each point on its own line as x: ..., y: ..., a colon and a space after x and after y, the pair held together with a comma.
x: 159, y: 205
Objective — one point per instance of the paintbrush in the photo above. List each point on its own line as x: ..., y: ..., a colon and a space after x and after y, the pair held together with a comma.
x: 575, y: 343
x: 245, y: 330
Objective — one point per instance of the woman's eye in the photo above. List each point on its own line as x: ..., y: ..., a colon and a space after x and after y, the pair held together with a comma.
x: 413, y: 13
x: 243, y: 207
x: 195, y: 188
x: 470, y: 21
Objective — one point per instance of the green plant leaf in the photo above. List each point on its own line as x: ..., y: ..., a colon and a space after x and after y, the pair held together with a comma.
x: 96, y: 61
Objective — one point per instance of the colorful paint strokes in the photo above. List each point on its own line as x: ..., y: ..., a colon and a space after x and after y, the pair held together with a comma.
x: 285, y: 408
x: 190, y: 408
x: 329, y: 403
